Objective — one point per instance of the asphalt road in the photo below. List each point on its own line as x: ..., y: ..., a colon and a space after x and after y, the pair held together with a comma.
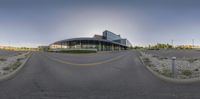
x: 110, y: 75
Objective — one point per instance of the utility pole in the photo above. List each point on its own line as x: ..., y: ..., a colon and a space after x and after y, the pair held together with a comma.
x: 172, y: 42
x: 9, y: 45
x: 192, y: 43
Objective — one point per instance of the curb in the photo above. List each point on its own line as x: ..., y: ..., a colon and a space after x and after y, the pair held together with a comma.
x: 14, y: 73
x: 167, y: 79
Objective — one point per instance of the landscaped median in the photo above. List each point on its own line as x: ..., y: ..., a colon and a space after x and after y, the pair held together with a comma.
x: 11, y: 64
x: 74, y: 50
x: 187, y: 69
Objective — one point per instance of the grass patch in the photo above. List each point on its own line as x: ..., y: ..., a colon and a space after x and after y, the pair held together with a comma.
x: 187, y: 72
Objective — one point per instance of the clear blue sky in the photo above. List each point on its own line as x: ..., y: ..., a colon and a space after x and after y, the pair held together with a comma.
x: 41, y: 22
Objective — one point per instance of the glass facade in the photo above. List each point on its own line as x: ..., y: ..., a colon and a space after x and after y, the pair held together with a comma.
x: 110, y: 36
x: 124, y: 42
x: 115, y: 38
x: 108, y: 42
x: 88, y: 44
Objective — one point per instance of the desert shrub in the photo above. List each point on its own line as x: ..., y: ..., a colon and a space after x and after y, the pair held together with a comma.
x: 18, y: 54
x: 3, y: 59
x: 196, y: 69
x: 13, y: 66
x: 19, y: 59
x: 154, y: 56
x: 156, y: 70
x: 162, y: 58
x: 151, y: 65
x: 26, y: 55
x: 6, y: 68
x: 146, y: 60
x: 166, y: 72
x: 186, y: 72
x: 16, y: 65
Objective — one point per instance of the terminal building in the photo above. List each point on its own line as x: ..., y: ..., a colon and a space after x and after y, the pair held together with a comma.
x: 107, y: 42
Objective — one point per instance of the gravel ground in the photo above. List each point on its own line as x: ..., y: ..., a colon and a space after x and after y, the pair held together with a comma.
x: 188, y: 53
x: 160, y: 61
x: 9, y: 63
x: 9, y: 53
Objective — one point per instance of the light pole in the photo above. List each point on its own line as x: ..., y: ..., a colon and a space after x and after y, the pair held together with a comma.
x: 173, y: 67
x: 192, y: 43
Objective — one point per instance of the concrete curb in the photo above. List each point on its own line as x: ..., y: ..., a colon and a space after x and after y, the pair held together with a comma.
x: 14, y: 73
x: 167, y: 79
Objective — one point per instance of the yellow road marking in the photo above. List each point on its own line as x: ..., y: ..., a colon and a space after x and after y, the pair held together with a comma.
x: 87, y: 64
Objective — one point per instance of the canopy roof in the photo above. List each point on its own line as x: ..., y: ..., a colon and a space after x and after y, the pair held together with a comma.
x: 88, y: 39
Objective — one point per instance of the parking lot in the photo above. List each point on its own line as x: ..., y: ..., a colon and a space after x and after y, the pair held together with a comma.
x: 107, y: 75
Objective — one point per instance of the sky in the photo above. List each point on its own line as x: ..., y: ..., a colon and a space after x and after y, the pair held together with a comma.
x: 32, y: 23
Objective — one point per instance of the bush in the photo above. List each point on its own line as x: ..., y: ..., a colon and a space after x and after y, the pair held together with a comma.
x: 187, y: 72
x: 153, y: 49
x: 159, y: 46
x: 137, y: 47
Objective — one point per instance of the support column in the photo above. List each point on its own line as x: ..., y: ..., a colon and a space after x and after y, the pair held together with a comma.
x: 61, y: 45
x: 112, y: 47
x: 99, y: 48
x: 103, y: 46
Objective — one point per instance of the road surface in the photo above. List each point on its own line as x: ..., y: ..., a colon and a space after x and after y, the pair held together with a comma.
x: 107, y: 75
